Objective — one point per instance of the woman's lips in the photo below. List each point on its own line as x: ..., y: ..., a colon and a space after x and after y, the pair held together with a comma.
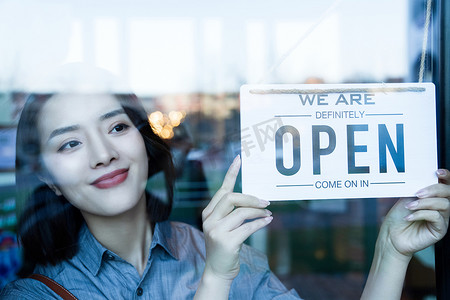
x: 111, y: 179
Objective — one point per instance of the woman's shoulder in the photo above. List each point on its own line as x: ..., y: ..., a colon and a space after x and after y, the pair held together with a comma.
x: 183, y: 227
x: 254, y: 258
x: 27, y: 289
x: 255, y: 277
x: 189, y: 236
x: 178, y: 233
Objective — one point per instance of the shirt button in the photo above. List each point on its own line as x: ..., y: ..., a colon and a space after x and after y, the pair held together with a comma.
x: 139, y: 291
x: 109, y: 257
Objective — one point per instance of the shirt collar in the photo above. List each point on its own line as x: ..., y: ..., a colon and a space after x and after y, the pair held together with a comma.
x: 163, y: 236
x: 91, y: 251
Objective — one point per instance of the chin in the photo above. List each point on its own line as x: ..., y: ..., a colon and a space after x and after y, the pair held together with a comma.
x: 124, y: 207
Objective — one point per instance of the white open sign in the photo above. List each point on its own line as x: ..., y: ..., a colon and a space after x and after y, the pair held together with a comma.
x: 337, y: 141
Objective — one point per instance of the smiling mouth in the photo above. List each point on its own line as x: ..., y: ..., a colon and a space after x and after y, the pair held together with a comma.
x: 111, y: 179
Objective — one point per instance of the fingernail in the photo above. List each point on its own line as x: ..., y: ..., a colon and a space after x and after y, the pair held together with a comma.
x: 440, y: 172
x: 264, y: 203
x: 238, y: 157
x: 268, y: 219
x: 268, y: 212
x: 421, y: 194
x: 408, y: 217
x: 412, y: 204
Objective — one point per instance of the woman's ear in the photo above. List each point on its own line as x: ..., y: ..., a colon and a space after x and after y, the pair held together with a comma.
x: 50, y: 184
x: 55, y: 189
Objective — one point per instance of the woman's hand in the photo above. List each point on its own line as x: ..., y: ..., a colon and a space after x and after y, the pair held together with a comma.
x: 225, y: 226
x: 415, y: 224
x: 411, y: 225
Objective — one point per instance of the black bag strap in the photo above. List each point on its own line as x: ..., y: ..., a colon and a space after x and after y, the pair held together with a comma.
x: 54, y: 286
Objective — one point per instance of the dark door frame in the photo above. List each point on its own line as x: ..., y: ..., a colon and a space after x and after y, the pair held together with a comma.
x: 442, y: 81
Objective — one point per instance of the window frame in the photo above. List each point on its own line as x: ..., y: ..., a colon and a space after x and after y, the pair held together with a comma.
x: 442, y: 81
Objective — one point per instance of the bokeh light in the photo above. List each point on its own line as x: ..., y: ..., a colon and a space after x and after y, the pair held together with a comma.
x: 163, y: 124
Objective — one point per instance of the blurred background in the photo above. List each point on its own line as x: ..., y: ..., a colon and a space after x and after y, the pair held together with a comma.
x: 186, y: 60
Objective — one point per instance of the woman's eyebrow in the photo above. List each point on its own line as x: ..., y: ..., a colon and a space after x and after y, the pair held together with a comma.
x: 63, y: 130
x: 112, y: 114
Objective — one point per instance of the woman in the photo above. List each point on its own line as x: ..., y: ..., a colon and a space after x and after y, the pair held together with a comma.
x: 91, y: 226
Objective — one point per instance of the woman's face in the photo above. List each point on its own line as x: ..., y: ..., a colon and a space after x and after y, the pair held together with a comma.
x: 93, y: 153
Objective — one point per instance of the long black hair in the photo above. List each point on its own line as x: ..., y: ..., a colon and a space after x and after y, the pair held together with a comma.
x: 49, y: 225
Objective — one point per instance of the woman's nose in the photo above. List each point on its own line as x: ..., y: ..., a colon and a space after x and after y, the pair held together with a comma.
x: 102, y: 152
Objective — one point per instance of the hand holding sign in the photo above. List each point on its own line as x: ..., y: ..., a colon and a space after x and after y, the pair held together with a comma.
x: 410, y: 226
x: 423, y: 221
x: 225, y: 226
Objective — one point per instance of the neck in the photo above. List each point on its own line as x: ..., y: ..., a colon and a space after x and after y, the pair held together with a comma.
x: 129, y: 235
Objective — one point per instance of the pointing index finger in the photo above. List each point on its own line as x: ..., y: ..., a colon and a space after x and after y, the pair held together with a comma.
x: 227, y: 187
x: 230, y: 177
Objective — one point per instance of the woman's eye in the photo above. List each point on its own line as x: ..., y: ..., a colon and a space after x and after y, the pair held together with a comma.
x: 119, y: 128
x: 69, y: 145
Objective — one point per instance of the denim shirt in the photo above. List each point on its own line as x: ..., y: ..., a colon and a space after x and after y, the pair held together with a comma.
x: 174, y: 269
